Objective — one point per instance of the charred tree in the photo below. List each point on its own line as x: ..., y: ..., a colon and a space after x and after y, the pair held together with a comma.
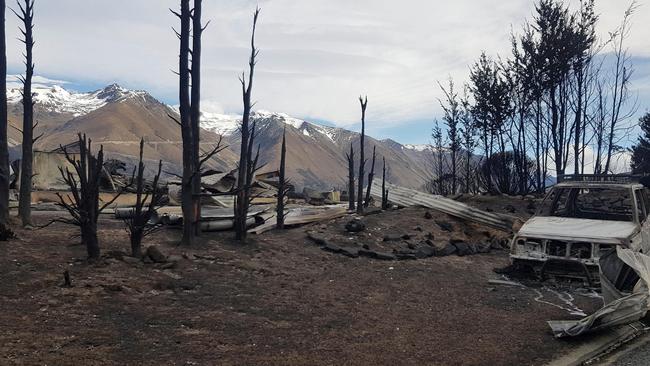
x: 351, y: 185
x: 82, y: 203
x: 185, y: 111
x: 371, y: 176
x: 283, y: 184
x: 138, y: 224
x: 247, y: 164
x: 362, y: 162
x: 195, y: 115
x: 26, y: 16
x: 4, y: 147
x: 384, y: 191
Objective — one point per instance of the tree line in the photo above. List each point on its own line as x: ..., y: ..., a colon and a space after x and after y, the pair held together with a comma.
x: 561, y: 97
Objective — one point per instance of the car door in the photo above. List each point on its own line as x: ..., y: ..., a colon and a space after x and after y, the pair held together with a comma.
x: 641, y: 197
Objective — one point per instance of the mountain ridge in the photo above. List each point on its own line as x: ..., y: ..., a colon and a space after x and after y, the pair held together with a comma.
x: 117, y: 117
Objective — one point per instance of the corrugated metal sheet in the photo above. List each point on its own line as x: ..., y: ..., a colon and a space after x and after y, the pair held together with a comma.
x: 409, y: 197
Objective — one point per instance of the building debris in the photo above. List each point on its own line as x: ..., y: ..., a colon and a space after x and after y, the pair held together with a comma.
x: 407, y: 197
x: 304, y: 215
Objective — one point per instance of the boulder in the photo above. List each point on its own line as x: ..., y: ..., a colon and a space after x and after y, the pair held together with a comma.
x: 445, y: 226
x: 154, y: 253
x: 350, y: 252
x: 384, y: 256
x: 355, y: 226
x: 319, y: 240
x: 428, y: 215
x: 131, y: 260
x: 405, y: 256
x: 448, y: 249
x: 392, y: 237
x: 462, y: 248
x: 425, y: 251
x: 329, y: 247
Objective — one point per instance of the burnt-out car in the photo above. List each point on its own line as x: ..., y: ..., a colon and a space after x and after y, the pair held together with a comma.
x: 582, y: 219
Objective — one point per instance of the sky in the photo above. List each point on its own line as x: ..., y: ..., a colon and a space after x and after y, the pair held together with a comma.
x: 316, y: 56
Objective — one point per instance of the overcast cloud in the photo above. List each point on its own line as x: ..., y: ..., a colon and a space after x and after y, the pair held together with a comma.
x: 316, y: 57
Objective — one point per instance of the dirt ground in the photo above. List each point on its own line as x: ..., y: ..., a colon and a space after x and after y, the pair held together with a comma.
x: 280, y: 300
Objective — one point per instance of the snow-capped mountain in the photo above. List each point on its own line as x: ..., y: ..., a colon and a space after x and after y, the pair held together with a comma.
x: 117, y: 118
x: 59, y: 100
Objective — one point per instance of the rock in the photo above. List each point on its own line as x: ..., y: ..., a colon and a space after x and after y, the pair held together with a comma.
x: 175, y: 258
x: 429, y: 242
x: 376, y: 255
x: 483, y: 248
x: 448, y: 249
x: 429, y: 236
x: 154, y: 253
x: 384, y: 256
x: 410, y: 246
x: 329, y: 247
x: 131, y: 260
x: 169, y: 265
x: 488, y: 209
x: 366, y: 246
x: 350, y: 252
x: 428, y: 215
x: 418, y: 228
x: 147, y: 260
x: 425, y: 252
x: 392, y: 237
x: 405, y: 256
x: 367, y: 253
x: 319, y: 240
x: 409, y: 236
x: 462, y: 248
x: 445, y: 226
x: 511, y: 209
x: 355, y: 226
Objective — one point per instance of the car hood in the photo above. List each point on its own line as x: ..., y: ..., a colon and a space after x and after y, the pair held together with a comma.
x: 562, y: 228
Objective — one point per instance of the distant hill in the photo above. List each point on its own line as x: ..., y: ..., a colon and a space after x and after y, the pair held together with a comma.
x: 117, y: 117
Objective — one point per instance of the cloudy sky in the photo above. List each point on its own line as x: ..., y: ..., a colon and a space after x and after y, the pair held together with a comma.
x: 317, y: 56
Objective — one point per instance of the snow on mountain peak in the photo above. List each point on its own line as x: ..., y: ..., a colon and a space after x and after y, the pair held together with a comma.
x: 55, y: 98
x: 420, y: 148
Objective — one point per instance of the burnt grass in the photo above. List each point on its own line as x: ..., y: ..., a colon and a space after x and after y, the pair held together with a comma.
x: 279, y: 300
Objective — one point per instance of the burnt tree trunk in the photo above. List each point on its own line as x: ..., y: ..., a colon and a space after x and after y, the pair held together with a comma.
x: 362, y: 162
x: 371, y: 176
x: 384, y: 191
x: 195, y: 114
x: 4, y: 147
x: 138, y: 223
x: 83, y: 201
x: 351, y: 185
x: 187, y: 196
x: 26, y: 15
x: 282, y: 183
x: 246, y: 164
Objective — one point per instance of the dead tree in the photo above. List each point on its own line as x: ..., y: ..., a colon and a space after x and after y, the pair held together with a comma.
x: 371, y: 176
x: 247, y: 164
x: 185, y: 121
x: 351, y: 185
x: 384, y: 191
x: 362, y: 161
x: 4, y: 147
x: 195, y: 116
x: 26, y: 16
x: 138, y: 224
x: 83, y: 201
x: 283, y: 186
